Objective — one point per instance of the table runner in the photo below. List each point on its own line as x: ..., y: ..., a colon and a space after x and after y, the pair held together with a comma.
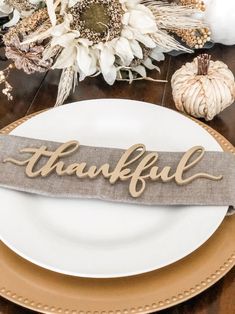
x: 201, y: 191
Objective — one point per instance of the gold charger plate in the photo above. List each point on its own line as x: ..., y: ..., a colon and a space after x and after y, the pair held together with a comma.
x: 48, y: 292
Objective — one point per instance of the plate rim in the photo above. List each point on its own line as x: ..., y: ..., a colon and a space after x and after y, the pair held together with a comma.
x: 197, y: 289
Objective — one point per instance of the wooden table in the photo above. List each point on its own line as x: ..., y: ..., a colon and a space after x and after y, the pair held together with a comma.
x: 37, y: 92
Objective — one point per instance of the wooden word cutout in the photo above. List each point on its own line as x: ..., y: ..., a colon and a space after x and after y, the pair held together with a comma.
x: 146, y: 164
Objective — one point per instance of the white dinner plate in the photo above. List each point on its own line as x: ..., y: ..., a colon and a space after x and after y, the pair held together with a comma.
x: 93, y: 238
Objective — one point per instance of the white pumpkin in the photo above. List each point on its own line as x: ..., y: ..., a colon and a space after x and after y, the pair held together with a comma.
x: 220, y: 15
x: 203, y: 88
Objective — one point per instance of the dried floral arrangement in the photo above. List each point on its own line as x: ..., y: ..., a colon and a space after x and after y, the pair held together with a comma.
x: 119, y: 39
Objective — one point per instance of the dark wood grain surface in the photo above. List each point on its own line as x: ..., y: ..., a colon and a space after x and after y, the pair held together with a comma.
x: 37, y: 92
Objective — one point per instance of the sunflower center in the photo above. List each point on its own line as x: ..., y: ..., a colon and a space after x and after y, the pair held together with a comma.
x: 97, y: 20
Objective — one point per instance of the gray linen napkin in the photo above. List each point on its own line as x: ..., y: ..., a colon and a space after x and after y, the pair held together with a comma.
x: 199, y: 192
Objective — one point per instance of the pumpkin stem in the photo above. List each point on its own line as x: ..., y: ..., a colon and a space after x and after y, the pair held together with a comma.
x: 203, y: 64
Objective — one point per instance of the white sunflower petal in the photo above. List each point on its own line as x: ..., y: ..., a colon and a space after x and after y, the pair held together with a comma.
x: 5, y: 9
x: 145, y: 39
x: 66, y: 59
x: 110, y: 77
x: 63, y: 40
x: 141, y: 70
x: 125, y: 18
x: 84, y: 60
x: 85, y: 42
x: 93, y: 66
x: 71, y: 3
x: 127, y: 33
x: 145, y: 23
x: 107, y: 67
x: 51, y: 11
x: 136, y: 49
x: 15, y: 19
x: 124, y: 51
x: 149, y: 65
x: 157, y: 54
x: 82, y: 75
x: 63, y: 27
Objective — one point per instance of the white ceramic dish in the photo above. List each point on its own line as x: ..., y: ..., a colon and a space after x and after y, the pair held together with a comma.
x: 92, y: 238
